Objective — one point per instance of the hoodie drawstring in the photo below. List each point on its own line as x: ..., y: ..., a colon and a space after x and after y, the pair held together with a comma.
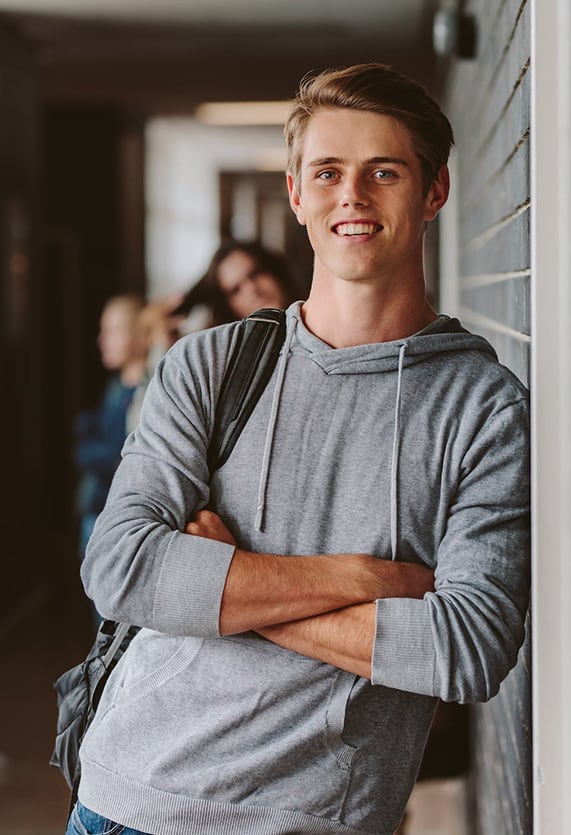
x: 395, y: 459
x: 271, y: 431
x: 271, y: 427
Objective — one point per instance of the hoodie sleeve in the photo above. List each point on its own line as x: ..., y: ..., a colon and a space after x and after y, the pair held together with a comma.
x: 140, y: 567
x: 460, y: 642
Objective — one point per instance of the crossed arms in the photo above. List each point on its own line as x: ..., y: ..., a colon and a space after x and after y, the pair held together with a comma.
x: 320, y: 606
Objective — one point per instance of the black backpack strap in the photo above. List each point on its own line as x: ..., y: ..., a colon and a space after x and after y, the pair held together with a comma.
x: 118, y: 637
x: 260, y: 339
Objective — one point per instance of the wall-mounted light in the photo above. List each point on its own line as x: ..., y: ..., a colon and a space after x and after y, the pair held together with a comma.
x: 454, y: 33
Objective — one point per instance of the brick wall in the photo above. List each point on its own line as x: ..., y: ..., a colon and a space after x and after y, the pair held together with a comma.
x: 488, y: 101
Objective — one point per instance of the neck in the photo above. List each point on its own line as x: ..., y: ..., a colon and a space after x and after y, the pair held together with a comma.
x: 344, y: 314
x: 133, y: 372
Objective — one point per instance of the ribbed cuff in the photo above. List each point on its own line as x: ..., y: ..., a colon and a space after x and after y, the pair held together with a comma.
x: 403, y: 650
x: 190, y: 587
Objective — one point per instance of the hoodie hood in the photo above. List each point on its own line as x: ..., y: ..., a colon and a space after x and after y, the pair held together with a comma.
x: 445, y: 334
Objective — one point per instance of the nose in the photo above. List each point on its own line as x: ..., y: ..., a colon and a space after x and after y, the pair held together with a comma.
x: 354, y: 192
x: 249, y: 286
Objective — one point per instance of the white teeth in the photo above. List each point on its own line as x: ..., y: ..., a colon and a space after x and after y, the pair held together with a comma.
x: 356, y: 228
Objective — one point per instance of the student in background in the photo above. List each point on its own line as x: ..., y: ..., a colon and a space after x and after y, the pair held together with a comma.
x: 99, y: 433
x: 161, y: 327
x: 242, y: 276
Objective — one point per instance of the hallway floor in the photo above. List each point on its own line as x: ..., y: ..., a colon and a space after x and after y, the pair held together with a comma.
x: 36, y: 645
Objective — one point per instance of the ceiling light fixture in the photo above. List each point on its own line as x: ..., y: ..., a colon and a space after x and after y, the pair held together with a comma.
x: 232, y: 113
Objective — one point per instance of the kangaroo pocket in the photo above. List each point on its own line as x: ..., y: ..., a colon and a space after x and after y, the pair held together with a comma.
x: 233, y: 720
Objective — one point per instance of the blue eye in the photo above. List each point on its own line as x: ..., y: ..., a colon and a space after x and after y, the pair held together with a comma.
x: 327, y: 175
x: 384, y: 174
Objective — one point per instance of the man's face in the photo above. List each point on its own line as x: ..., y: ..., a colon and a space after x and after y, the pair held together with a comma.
x: 360, y: 194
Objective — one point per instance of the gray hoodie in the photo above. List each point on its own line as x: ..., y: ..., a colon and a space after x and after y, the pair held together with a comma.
x: 414, y: 450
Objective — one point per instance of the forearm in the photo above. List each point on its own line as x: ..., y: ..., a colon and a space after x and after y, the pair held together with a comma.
x: 266, y: 589
x: 343, y: 638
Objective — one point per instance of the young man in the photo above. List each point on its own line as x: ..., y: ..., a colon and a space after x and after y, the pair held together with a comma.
x: 365, y: 548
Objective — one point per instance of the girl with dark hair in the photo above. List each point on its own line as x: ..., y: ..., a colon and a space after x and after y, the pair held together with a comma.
x: 242, y: 276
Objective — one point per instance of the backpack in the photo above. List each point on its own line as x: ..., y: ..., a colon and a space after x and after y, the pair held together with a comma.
x: 79, y: 689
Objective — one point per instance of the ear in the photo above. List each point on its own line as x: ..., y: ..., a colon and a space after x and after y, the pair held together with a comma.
x: 437, y: 193
x: 295, y: 199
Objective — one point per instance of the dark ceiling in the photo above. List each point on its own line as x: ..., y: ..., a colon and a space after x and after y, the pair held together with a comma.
x: 171, y: 67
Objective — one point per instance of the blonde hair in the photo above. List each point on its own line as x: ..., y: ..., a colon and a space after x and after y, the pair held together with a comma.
x: 132, y: 302
x: 375, y: 88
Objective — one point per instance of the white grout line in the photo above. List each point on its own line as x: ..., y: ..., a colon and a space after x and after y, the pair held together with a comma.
x: 493, y: 325
x: 470, y: 282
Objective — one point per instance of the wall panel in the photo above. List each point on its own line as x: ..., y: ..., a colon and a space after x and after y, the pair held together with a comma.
x: 488, y: 101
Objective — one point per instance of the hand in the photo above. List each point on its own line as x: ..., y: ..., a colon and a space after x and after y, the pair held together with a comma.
x: 343, y: 638
x: 404, y: 579
x: 210, y: 526
x: 372, y: 578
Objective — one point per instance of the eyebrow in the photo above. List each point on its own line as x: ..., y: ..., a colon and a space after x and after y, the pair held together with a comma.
x: 317, y: 163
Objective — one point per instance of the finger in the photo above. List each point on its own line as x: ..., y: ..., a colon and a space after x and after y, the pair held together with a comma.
x: 207, y: 517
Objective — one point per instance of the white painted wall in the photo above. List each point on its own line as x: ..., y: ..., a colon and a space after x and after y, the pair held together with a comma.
x: 183, y: 159
x: 551, y: 399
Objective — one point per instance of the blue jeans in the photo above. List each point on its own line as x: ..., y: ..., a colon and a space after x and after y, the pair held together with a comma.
x: 85, y: 822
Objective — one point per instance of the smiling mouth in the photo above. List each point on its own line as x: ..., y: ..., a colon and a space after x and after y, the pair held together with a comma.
x: 348, y: 229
